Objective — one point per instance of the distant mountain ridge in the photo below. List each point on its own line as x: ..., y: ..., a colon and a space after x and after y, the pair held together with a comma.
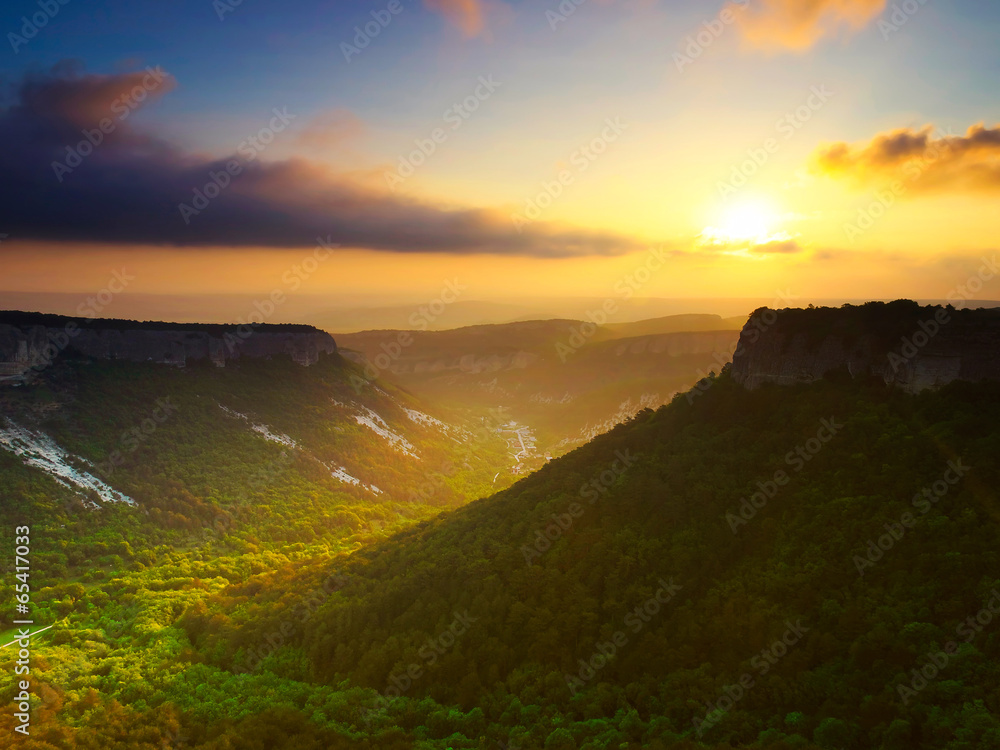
x: 912, y: 347
x: 561, y: 378
x: 29, y: 341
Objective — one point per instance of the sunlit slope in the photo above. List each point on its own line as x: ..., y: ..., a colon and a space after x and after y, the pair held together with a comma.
x: 810, y: 546
x: 265, y: 449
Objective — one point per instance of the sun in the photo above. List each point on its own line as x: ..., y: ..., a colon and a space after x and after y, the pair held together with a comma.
x: 750, y: 222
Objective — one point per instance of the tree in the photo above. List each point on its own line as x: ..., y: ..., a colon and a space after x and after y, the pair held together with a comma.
x: 835, y: 734
x: 560, y: 739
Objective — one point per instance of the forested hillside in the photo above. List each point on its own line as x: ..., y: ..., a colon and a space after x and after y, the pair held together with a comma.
x: 265, y: 447
x: 808, y: 567
x: 147, y: 487
x: 762, y: 569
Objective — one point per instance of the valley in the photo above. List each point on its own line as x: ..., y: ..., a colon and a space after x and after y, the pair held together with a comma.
x: 518, y: 368
x: 500, y: 375
x: 283, y: 554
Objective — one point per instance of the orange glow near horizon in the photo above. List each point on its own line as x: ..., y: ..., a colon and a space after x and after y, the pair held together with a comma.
x: 367, y: 278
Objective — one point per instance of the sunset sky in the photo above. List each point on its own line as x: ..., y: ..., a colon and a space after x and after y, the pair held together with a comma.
x: 837, y: 148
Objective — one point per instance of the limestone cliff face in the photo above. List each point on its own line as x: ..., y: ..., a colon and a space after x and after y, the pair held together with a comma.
x: 29, y: 342
x: 677, y: 344
x: 912, y: 347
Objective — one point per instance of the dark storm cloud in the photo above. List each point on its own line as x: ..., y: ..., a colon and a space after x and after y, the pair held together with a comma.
x: 75, y: 170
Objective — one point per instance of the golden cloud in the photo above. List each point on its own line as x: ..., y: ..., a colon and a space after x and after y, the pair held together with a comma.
x: 797, y: 25
x: 465, y: 14
x: 925, y: 159
x: 782, y: 243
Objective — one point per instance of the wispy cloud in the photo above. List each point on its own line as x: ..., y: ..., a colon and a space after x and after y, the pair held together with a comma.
x: 711, y: 242
x: 467, y: 15
x: 777, y: 247
x: 329, y: 130
x: 797, y: 25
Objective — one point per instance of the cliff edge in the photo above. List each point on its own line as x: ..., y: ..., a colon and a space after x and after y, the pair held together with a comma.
x: 31, y: 341
x: 915, y: 348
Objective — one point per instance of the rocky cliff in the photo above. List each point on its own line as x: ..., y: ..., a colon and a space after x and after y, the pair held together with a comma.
x: 31, y: 341
x: 912, y: 347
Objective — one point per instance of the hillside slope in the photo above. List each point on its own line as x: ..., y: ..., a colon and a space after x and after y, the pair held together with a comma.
x: 263, y: 450
x: 765, y: 567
